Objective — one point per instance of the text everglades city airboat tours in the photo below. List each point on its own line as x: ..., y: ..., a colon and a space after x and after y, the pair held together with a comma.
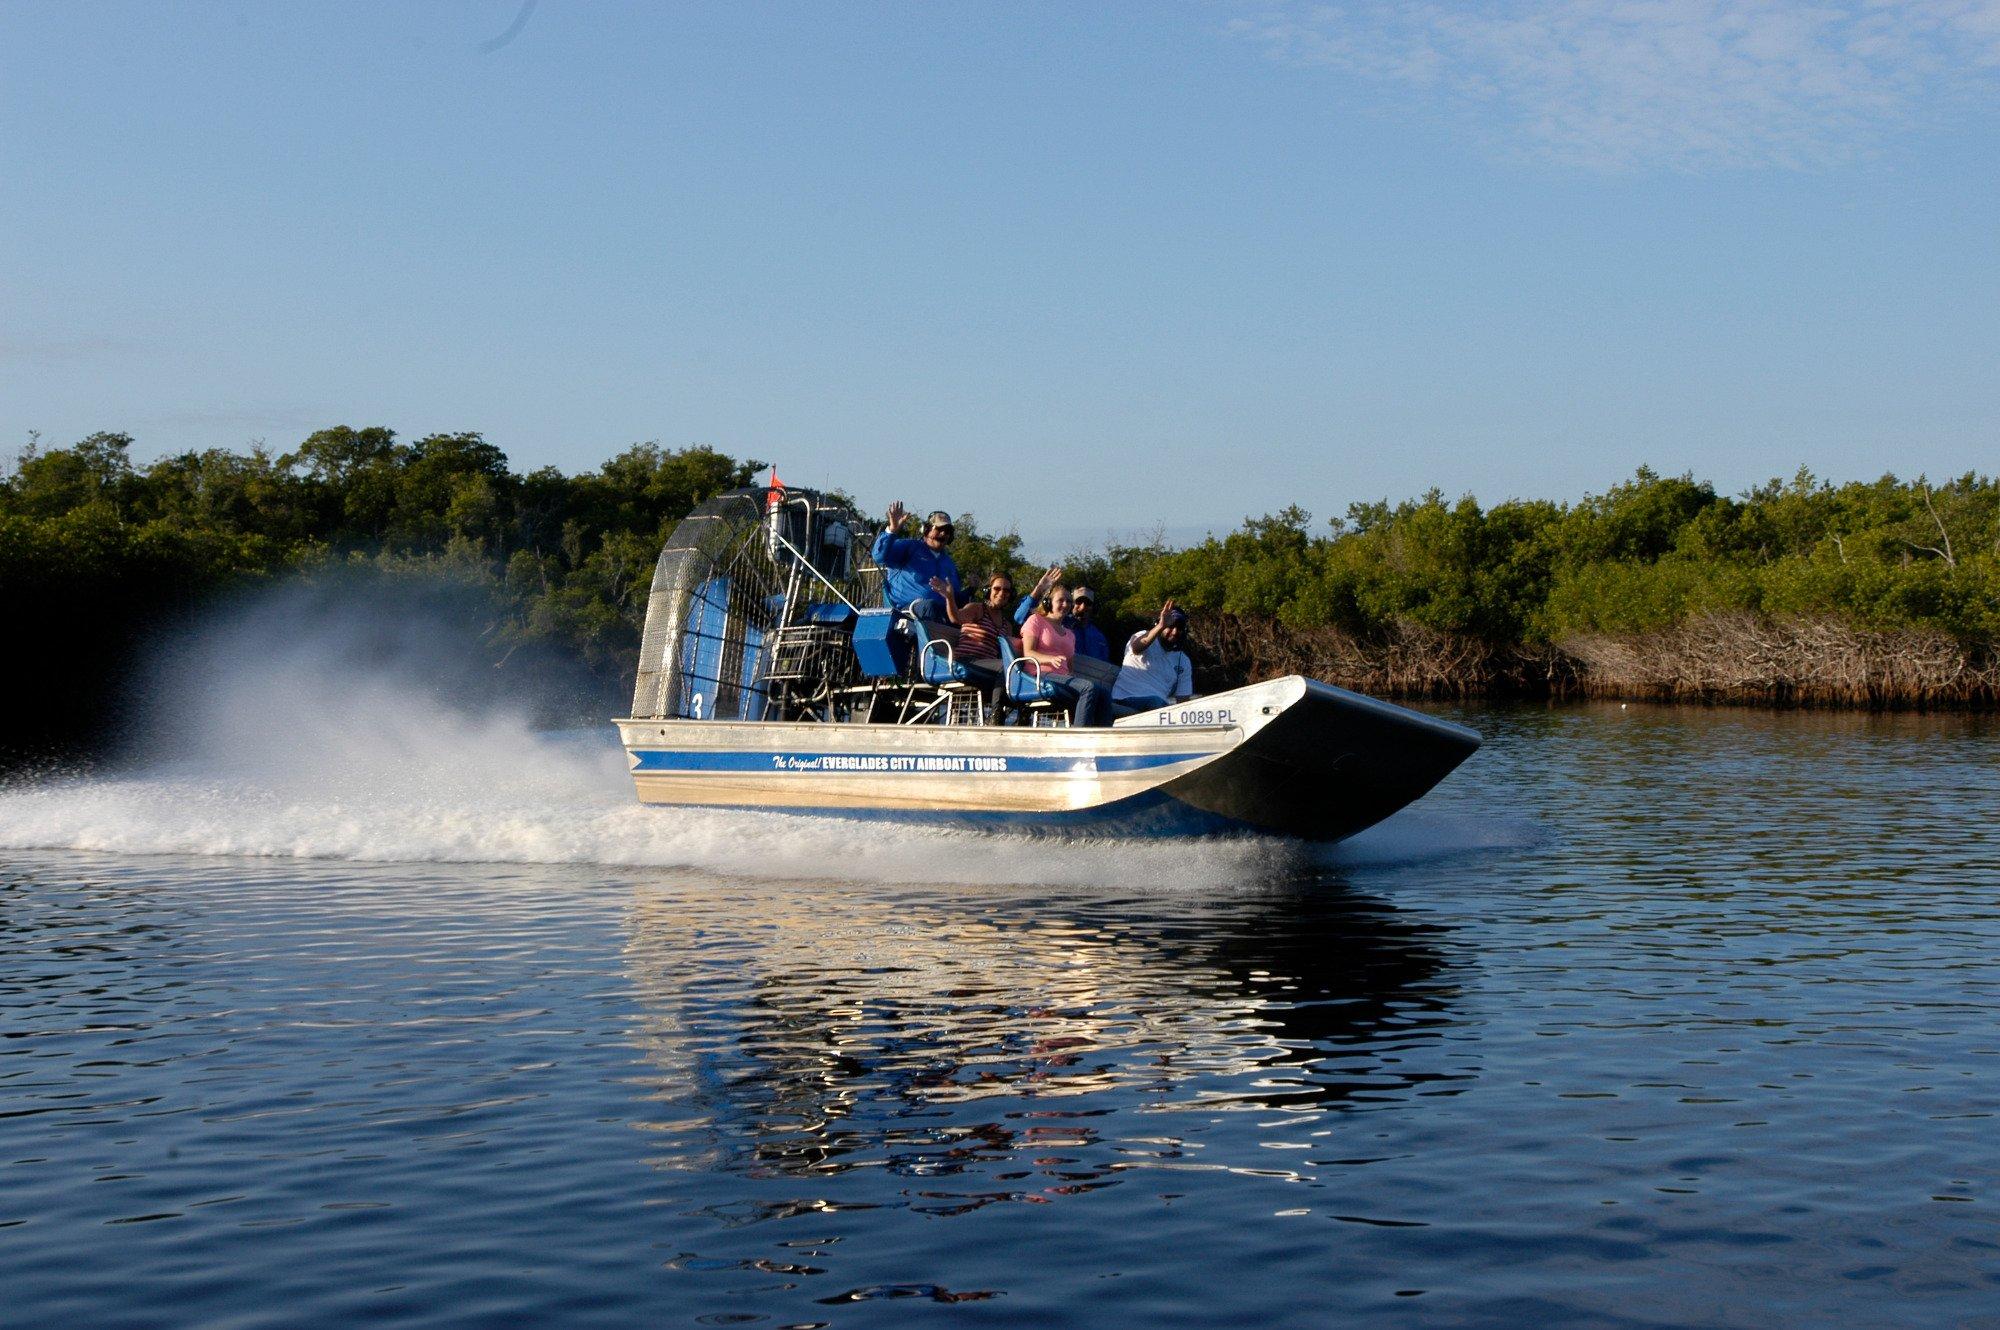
x: 770, y: 678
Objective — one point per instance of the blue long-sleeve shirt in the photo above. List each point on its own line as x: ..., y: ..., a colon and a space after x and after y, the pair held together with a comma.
x: 909, y: 566
x: 1089, y: 641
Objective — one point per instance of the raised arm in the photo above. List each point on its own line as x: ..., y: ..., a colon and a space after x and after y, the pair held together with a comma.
x: 1026, y: 608
x: 887, y: 550
x: 1140, y: 641
x: 944, y: 590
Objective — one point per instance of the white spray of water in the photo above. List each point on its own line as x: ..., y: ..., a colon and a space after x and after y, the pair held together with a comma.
x: 281, y: 739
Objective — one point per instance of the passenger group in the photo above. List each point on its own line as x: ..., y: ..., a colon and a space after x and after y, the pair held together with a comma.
x: 1053, y: 624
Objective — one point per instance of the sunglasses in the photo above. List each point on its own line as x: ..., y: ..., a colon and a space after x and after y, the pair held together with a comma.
x: 942, y: 532
x: 999, y: 589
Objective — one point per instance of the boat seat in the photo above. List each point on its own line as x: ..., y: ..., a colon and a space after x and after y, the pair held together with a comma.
x: 937, y: 652
x: 1026, y: 689
x: 879, y: 647
x: 964, y: 683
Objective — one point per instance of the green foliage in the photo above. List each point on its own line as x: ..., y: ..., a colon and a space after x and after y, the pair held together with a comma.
x: 1648, y: 553
x: 1645, y: 555
x: 94, y: 551
x: 1629, y: 596
x: 94, y: 547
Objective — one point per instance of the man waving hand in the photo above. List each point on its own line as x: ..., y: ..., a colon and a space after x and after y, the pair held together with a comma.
x: 909, y: 565
x: 1156, y: 670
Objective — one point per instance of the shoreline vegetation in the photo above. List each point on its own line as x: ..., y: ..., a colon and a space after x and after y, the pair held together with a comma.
x: 1879, y: 594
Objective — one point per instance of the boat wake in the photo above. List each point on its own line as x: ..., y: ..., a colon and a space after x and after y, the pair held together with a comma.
x: 567, y: 800
x: 312, y: 750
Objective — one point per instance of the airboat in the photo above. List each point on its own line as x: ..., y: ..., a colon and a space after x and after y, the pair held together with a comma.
x: 771, y: 677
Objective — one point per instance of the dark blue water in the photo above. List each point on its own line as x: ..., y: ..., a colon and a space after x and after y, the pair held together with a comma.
x: 1646, y: 1018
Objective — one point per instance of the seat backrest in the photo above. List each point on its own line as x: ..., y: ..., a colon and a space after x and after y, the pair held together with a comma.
x: 927, y: 631
x: 937, y: 666
x: 1025, y: 684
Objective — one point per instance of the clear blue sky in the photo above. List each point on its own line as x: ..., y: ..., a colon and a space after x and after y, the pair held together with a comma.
x: 1079, y: 269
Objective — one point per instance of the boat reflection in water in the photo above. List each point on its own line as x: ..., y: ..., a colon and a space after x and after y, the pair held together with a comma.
x: 956, y: 1048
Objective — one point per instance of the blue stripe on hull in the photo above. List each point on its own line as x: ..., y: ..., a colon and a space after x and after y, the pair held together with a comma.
x: 914, y: 764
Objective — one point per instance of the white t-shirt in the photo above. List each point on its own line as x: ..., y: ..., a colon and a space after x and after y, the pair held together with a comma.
x: 1153, y: 672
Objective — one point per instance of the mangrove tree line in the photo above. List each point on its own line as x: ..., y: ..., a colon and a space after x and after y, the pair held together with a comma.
x: 1883, y: 592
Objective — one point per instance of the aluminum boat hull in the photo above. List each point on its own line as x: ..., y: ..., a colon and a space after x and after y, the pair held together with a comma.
x: 1290, y: 757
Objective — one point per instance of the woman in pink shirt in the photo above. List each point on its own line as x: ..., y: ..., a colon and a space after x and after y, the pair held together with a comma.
x: 1045, y: 640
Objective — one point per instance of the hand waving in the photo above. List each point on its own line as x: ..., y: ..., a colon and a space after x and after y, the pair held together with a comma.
x: 896, y: 515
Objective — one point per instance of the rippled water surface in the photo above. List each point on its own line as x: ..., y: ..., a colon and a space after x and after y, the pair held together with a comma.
x: 1645, y: 1018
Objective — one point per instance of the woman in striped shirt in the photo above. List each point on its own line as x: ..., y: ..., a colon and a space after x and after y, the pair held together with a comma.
x: 978, y: 621
x: 979, y: 626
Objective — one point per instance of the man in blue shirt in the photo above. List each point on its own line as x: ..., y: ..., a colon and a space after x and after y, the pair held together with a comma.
x: 1082, y: 604
x: 909, y: 565
x: 1089, y: 638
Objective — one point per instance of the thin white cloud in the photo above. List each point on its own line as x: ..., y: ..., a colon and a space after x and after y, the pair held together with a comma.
x: 1687, y: 84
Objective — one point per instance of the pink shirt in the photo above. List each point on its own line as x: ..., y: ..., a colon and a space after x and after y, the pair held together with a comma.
x: 1043, y: 636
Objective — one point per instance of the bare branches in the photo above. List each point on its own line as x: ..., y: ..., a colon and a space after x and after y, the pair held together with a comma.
x: 1741, y: 657
x: 1719, y: 657
x: 1943, y: 551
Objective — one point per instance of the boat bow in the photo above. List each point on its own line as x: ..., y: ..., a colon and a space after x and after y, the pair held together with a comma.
x: 1314, y: 761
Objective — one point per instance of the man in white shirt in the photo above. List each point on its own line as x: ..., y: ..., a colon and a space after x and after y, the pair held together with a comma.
x: 1156, y: 672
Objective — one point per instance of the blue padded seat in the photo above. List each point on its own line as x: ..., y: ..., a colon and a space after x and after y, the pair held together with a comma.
x: 1025, y: 683
x: 875, y: 644
x: 937, y: 655
x: 829, y: 614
